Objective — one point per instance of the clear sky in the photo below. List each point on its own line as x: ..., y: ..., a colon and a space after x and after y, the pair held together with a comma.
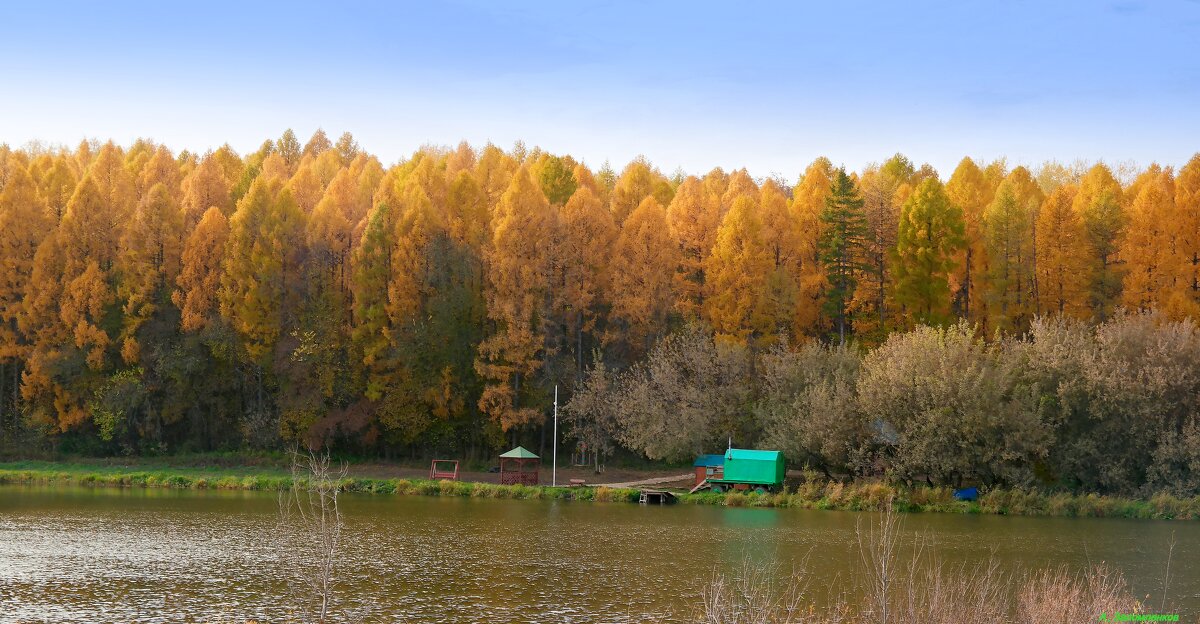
x: 694, y: 85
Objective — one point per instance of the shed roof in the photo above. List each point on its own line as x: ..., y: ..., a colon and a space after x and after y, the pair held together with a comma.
x: 709, y: 461
x: 752, y: 455
x: 520, y: 453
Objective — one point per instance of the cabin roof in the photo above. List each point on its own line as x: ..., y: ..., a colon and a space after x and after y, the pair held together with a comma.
x: 753, y: 455
x: 520, y: 453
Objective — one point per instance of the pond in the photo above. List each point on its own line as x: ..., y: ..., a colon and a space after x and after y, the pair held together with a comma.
x: 70, y: 554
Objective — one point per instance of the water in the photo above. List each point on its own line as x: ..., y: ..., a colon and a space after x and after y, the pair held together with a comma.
x: 111, y: 555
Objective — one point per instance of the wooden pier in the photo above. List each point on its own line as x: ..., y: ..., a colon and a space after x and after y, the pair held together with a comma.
x: 656, y: 497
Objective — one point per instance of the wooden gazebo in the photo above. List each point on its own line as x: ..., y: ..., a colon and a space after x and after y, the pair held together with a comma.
x: 519, y: 466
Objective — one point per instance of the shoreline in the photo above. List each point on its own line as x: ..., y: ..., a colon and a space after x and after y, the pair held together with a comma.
x: 833, y: 496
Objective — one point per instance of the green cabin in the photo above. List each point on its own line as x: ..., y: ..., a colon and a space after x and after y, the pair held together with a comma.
x: 751, y: 469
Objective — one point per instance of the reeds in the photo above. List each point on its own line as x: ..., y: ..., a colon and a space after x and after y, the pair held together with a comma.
x: 921, y: 590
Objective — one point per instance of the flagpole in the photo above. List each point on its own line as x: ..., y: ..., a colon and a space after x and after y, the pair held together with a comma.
x: 554, y: 461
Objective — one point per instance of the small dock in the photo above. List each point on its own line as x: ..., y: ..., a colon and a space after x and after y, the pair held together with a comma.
x: 656, y: 497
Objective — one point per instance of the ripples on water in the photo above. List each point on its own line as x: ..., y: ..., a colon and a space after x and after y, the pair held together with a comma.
x: 79, y: 555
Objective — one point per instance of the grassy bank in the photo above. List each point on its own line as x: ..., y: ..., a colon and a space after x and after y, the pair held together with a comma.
x: 806, y: 495
x: 1016, y: 502
x: 274, y: 479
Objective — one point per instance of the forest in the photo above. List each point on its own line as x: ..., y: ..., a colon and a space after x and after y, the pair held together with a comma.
x: 1004, y: 325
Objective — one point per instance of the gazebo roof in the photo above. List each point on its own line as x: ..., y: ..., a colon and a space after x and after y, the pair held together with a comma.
x: 519, y: 453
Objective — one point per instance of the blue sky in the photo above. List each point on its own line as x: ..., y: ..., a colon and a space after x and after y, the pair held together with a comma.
x: 688, y: 84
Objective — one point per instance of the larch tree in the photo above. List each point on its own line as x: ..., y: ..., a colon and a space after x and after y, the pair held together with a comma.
x: 24, y: 225
x: 970, y: 190
x: 330, y: 232
x: 931, y: 233
x: 1063, y: 269
x: 160, y: 168
x: 288, y: 148
x: 199, y: 280
x: 371, y: 274
x: 421, y: 381
x: 261, y: 267
x: 693, y: 218
x: 318, y: 144
x: 463, y: 158
x: 588, y: 234
x: 808, y: 202
x: 149, y: 262
x: 494, y: 172
x: 781, y: 239
x: 738, y: 270
x: 1008, y: 240
x: 1187, y: 206
x: 1098, y: 204
x: 642, y: 268
x: 1150, y: 250
x: 843, y: 247
x: 557, y: 178
x: 56, y: 188
x: 637, y: 182
x: 347, y: 148
x: 91, y: 228
x: 467, y: 214
x: 885, y: 188
x: 114, y: 182
x: 518, y: 295
x: 206, y: 187
x: 306, y: 186
x: 740, y: 184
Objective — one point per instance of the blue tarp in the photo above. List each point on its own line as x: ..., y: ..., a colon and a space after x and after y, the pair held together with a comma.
x: 967, y: 494
x: 709, y: 461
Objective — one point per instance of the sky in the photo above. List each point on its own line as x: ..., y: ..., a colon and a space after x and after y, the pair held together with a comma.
x: 689, y: 85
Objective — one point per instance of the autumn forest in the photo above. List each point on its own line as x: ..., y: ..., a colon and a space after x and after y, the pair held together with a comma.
x: 997, y: 324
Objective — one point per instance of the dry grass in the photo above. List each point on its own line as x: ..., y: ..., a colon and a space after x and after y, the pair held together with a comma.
x: 923, y: 590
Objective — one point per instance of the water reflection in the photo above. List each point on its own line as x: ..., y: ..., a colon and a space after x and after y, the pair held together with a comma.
x: 111, y: 555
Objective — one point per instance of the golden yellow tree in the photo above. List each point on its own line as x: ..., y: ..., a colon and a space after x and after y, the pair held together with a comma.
x: 740, y: 184
x: 1151, y: 249
x: 1098, y: 203
x: 24, y: 224
x: 1063, y: 268
x: 199, y: 278
x: 693, y: 217
x: 970, y: 190
x: 494, y: 172
x: 517, y: 293
x: 781, y: 239
x: 330, y: 228
x: 149, y: 262
x: 738, y: 270
x: 1008, y: 240
x: 114, y: 182
x: 808, y: 201
x: 588, y: 234
x: 57, y: 186
x: 1187, y: 206
x: 306, y: 185
x: 206, y: 187
x: 259, y: 284
x: 160, y: 168
x: 643, y: 265
x: 637, y: 182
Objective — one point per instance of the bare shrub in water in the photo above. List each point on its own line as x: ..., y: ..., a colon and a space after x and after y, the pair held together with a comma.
x: 922, y: 591
x: 1056, y: 596
x: 309, y: 535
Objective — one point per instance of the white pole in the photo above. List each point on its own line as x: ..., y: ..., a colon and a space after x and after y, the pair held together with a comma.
x: 554, y: 461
